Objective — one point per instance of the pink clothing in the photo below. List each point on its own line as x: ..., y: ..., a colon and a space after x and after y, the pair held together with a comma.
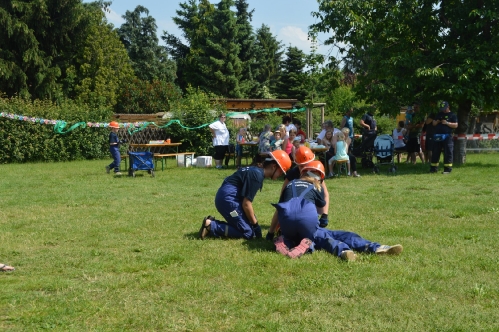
x: 288, y: 148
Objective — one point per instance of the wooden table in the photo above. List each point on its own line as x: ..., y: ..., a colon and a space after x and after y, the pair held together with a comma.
x: 156, y: 148
x: 321, y: 150
x: 253, y: 148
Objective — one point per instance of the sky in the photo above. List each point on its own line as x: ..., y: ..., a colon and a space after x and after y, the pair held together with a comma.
x: 288, y: 19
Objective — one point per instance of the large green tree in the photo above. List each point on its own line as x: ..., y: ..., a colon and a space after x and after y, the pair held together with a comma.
x: 269, y: 53
x: 248, y: 54
x: 37, y: 43
x: 423, y: 50
x: 149, y: 60
x: 293, y: 78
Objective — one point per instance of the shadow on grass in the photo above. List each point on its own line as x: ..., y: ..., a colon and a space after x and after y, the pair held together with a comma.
x: 254, y: 244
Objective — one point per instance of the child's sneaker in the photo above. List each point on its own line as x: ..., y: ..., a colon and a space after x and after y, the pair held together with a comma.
x: 330, y: 175
x: 108, y: 169
x: 300, y: 249
x: 348, y: 255
x: 280, y: 246
x: 389, y: 250
x: 118, y: 174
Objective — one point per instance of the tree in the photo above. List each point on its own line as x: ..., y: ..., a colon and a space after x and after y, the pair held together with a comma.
x: 219, y: 63
x: 292, y: 81
x: 269, y: 52
x: 100, y: 64
x: 248, y: 53
x: 149, y: 60
x: 423, y: 50
x: 37, y: 42
x: 194, y: 20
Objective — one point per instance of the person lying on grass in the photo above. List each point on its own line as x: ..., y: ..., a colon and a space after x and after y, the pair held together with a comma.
x: 234, y: 198
x: 299, y: 224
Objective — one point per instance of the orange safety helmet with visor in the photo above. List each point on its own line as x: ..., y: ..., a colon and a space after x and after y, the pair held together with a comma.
x: 114, y: 124
x: 304, y: 155
x: 312, y: 167
x: 282, y: 159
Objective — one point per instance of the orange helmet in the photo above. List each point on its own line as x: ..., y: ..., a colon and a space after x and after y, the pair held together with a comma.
x: 314, y: 166
x: 114, y: 124
x: 282, y: 159
x: 304, y: 155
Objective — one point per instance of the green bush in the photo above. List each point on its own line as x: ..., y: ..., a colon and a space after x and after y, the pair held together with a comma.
x: 25, y: 141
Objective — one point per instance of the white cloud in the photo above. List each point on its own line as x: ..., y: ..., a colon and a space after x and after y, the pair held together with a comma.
x: 295, y: 36
x: 114, y: 18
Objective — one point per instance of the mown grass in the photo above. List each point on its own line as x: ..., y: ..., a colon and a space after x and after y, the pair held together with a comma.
x: 93, y: 252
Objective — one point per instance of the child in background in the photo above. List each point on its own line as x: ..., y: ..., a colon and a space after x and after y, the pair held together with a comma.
x: 240, y: 138
x: 296, y: 145
x: 114, y: 148
x: 276, y: 141
x: 287, y: 145
x: 341, y: 153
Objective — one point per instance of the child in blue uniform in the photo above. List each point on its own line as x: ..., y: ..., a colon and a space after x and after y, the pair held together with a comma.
x: 114, y: 148
x: 297, y: 210
x: 234, y: 199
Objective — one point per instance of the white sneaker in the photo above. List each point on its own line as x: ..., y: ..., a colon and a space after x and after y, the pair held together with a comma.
x: 348, y: 255
x: 389, y: 250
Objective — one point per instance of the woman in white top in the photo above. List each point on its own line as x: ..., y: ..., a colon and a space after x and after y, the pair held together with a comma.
x: 220, y: 135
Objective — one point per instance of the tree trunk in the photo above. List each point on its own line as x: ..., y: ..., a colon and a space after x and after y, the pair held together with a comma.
x: 463, y: 114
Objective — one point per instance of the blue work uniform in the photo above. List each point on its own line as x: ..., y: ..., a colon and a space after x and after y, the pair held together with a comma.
x: 443, y: 140
x: 244, y: 183
x: 298, y: 219
x: 115, y: 152
x: 297, y: 211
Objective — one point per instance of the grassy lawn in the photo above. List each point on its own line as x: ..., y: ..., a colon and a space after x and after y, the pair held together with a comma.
x: 94, y: 252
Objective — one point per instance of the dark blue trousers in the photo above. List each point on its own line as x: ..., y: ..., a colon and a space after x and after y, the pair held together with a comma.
x: 335, y: 242
x: 448, y: 146
x: 115, y: 153
x: 235, y: 227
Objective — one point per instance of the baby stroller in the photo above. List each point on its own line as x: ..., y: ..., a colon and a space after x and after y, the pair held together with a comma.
x: 365, y: 150
x: 384, y: 149
x: 141, y: 161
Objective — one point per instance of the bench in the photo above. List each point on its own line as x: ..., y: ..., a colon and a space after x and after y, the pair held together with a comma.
x: 162, y: 157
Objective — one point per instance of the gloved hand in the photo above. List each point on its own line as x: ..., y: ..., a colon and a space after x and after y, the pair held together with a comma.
x: 123, y: 141
x: 323, y: 220
x: 257, y: 231
x: 270, y: 236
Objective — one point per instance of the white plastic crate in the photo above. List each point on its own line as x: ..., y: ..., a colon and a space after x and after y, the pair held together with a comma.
x: 203, y: 161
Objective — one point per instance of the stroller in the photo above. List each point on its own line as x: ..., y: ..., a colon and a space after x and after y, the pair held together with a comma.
x: 365, y: 150
x: 384, y: 149
x: 141, y: 161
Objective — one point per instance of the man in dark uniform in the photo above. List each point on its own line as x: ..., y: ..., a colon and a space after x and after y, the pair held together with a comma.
x: 444, y: 123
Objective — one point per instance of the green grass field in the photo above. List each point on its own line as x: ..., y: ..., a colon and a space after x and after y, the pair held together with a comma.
x: 98, y: 253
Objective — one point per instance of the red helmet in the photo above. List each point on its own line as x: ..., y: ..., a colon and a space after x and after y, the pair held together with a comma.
x: 314, y: 166
x: 304, y: 155
x: 114, y: 124
x: 282, y: 159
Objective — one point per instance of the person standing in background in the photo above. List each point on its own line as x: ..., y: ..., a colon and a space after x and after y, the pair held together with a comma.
x: 347, y: 122
x: 220, y: 135
x: 444, y: 123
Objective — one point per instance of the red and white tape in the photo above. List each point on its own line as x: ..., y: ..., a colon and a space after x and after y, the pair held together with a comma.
x: 476, y: 137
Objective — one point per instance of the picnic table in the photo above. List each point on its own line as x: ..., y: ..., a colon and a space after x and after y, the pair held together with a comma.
x: 162, y: 151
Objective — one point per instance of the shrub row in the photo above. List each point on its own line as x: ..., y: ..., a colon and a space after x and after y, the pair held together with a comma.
x: 25, y: 141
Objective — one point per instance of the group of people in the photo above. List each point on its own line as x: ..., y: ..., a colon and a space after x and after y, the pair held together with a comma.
x: 299, y: 222
x: 435, y: 128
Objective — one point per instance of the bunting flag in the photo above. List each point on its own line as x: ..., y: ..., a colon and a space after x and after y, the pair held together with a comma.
x: 132, y: 127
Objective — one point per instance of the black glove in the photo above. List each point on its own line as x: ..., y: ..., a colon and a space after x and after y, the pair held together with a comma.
x: 257, y: 231
x: 123, y: 141
x: 323, y: 220
x: 270, y: 236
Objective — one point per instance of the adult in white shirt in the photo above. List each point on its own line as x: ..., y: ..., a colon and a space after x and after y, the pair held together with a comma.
x: 328, y: 125
x: 220, y: 135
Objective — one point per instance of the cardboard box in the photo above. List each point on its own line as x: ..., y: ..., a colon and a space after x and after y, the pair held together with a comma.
x: 203, y: 161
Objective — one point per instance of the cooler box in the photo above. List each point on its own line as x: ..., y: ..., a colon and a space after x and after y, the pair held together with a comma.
x: 203, y: 161
x: 185, y: 160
